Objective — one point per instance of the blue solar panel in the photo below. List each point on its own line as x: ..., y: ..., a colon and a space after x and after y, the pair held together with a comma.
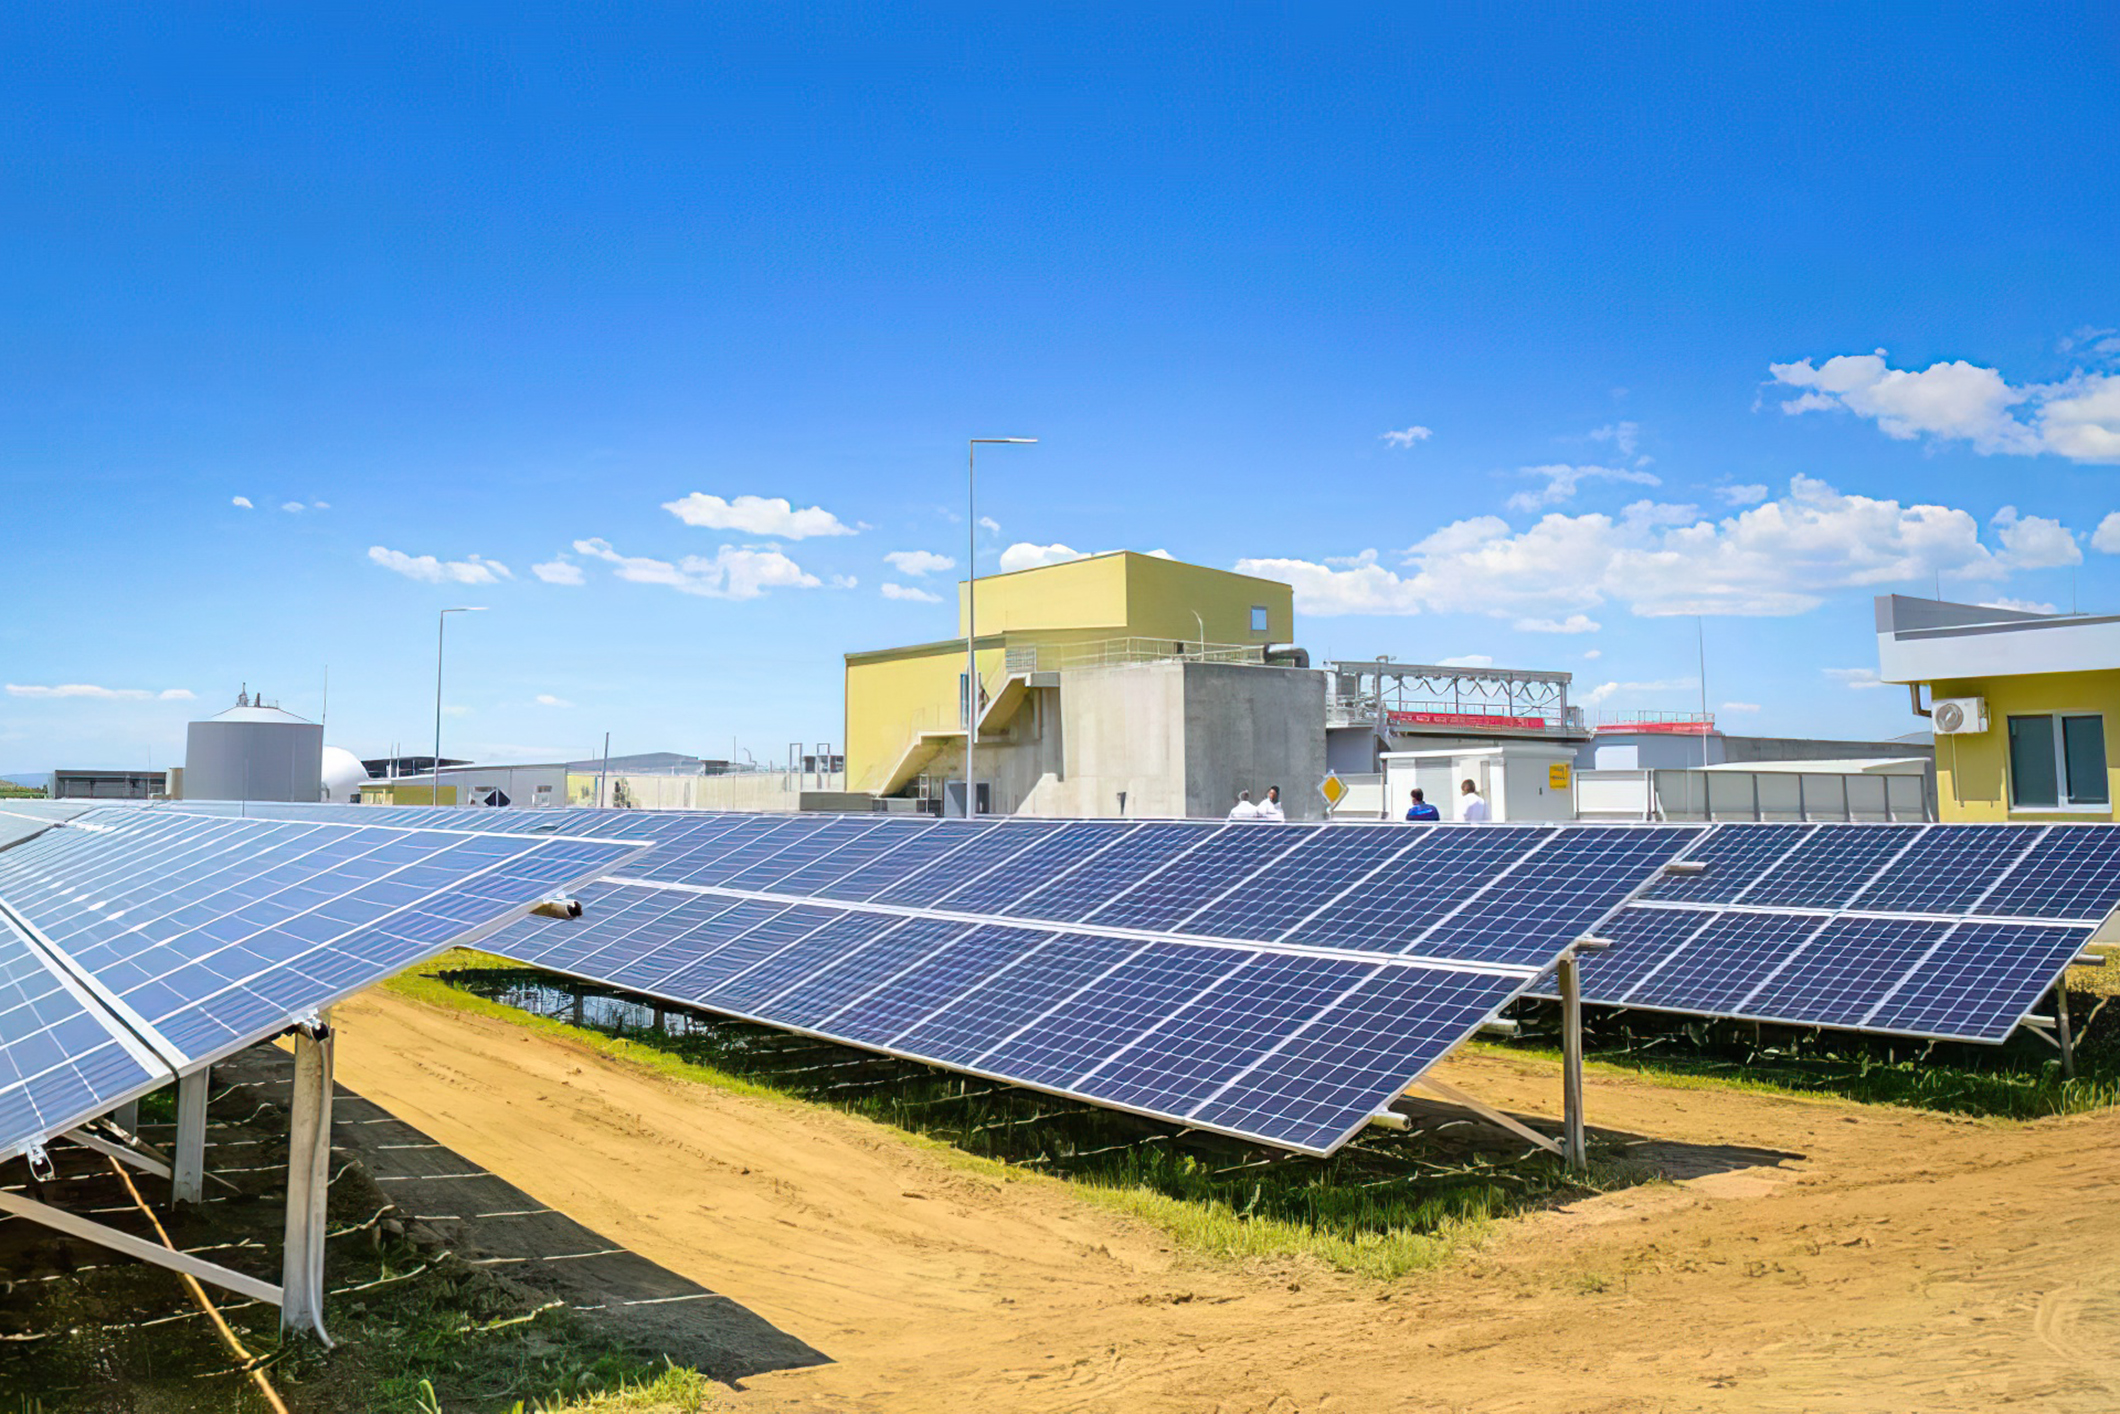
x: 933, y: 983
x: 1641, y: 940
x: 858, y: 972
x: 730, y: 853
x: 1409, y: 895
x: 825, y: 842
x: 1735, y: 856
x: 1004, y: 884
x: 63, y: 1059
x: 739, y: 952
x: 747, y: 990
x: 1830, y: 867
x: 1979, y: 982
x: 215, y: 931
x: 1086, y: 887
x: 1549, y: 900
x: 1319, y: 1086
x: 1843, y: 971
x: 960, y: 866
x: 1013, y: 997
x: 1274, y: 900
x: 2073, y: 872
x: 1056, y: 1047
x: 1950, y: 869
x: 1717, y: 969
x: 1220, y: 862
x: 924, y: 848
x: 819, y: 873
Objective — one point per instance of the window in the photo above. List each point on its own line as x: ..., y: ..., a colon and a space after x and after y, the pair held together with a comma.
x: 2058, y: 760
x: 1258, y: 618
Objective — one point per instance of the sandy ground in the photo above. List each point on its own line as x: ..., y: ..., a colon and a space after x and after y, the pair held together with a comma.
x: 1904, y: 1262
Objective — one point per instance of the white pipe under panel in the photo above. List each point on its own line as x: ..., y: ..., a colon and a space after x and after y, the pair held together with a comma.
x: 308, y: 1184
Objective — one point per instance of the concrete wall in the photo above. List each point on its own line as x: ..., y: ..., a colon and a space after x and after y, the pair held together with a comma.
x: 1249, y: 728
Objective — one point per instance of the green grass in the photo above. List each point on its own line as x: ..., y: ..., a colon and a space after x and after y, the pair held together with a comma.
x: 1387, y: 1204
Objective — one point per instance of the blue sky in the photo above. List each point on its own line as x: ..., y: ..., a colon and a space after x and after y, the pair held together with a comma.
x: 484, y: 294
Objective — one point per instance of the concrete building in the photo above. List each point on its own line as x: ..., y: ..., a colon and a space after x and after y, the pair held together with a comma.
x: 254, y: 752
x: 1119, y: 683
x: 69, y: 784
x: 2022, y: 704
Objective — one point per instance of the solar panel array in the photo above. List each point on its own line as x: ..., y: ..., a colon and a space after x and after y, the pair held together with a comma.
x: 1193, y: 971
x: 136, y: 945
x: 1949, y: 932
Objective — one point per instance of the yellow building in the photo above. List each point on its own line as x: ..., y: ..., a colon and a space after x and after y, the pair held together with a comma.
x: 2022, y: 705
x: 904, y: 712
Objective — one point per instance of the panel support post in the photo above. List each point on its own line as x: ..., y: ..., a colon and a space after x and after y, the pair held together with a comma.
x: 2063, y: 1035
x: 308, y: 1184
x: 1575, y: 1150
x: 187, y: 1180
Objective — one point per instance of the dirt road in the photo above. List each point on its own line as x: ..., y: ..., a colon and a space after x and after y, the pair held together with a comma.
x: 1906, y: 1262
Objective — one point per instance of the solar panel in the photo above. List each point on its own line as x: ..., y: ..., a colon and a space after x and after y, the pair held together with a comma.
x: 1289, y: 889
x: 920, y: 850
x: 1921, y: 930
x: 206, y: 934
x: 1406, y: 897
x: 1539, y: 906
x: 1167, y: 895
x: 987, y: 850
x: 1013, y: 878
x: 1086, y: 885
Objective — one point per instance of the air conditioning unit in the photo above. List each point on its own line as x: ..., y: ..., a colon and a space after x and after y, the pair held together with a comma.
x: 1959, y: 716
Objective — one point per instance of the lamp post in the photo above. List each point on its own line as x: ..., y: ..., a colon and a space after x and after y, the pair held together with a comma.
x: 441, y: 625
x: 971, y: 621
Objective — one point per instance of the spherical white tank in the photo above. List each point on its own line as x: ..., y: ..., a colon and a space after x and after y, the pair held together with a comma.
x: 344, y: 775
x: 254, y: 753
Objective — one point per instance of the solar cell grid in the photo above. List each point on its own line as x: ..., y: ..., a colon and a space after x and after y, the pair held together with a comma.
x: 1408, y: 895
x: 747, y: 990
x: 1013, y: 997
x: 701, y: 926
x: 816, y: 875
x: 1979, y: 982
x: 1842, y: 972
x: 823, y: 843
x: 934, y: 982
x: 880, y: 873
x: 1221, y: 861
x: 1831, y: 866
x: 849, y: 978
x: 1327, y: 864
x: 2073, y: 872
x: 1720, y: 966
x: 711, y: 967
x: 1735, y: 855
x: 1003, y: 885
x: 960, y: 866
x: 727, y: 854
x: 1057, y: 1047
x: 62, y: 1060
x: 1949, y: 869
x: 1533, y: 910
x: 1642, y: 939
x: 1086, y: 886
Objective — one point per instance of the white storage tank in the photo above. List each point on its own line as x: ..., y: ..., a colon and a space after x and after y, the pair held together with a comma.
x: 254, y: 752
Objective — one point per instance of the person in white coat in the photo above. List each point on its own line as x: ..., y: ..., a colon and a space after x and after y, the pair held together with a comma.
x: 1270, y: 808
x: 1244, y: 809
x: 1471, y: 808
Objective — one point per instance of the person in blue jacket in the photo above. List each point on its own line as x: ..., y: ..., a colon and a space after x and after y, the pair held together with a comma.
x: 1421, y: 809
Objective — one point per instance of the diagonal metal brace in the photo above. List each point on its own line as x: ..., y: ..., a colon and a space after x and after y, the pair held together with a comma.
x: 1487, y: 1112
x: 139, y: 1247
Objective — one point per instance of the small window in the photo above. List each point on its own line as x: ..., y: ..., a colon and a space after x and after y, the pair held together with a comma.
x: 2058, y: 760
x: 1258, y: 618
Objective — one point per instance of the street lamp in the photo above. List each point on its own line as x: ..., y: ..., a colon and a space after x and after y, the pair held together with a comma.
x: 441, y: 624
x: 971, y: 622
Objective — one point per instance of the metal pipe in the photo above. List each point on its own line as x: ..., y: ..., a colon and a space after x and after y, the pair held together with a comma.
x: 441, y: 625
x: 188, y: 1183
x: 1575, y: 1145
x: 308, y: 1184
x: 2064, y: 1036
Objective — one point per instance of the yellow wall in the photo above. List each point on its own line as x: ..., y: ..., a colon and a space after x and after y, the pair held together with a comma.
x: 404, y: 792
x: 1972, y: 771
x: 893, y: 694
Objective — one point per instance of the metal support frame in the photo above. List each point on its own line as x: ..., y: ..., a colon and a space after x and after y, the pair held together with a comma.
x: 59, y: 1220
x: 1487, y: 1112
x: 187, y: 1182
x: 119, y: 1152
x: 308, y: 1183
x: 1576, y: 1145
x: 2064, y: 1034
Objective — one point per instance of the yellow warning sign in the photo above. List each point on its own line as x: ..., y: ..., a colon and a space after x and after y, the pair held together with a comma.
x: 1332, y: 788
x: 1557, y: 775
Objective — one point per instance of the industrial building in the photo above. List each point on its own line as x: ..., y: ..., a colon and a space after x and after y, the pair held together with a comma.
x: 2021, y: 704
x: 1118, y: 684
x: 253, y: 751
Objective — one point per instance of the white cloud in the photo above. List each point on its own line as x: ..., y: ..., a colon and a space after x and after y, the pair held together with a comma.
x: 472, y: 569
x: 1591, y: 655
x: 1859, y: 679
x: 1962, y: 402
x: 1624, y: 436
x: 990, y: 525
x: 1739, y: 708
x: 730, y: 573
x: 1574, y: 623
x: 1606, y: 691
x: 2035, y: 542
x: 910, y: 593
x: 1467, y: 660
x: 757, y: 515
x: 1025, y: 556
x: 2022, y: 606
x: 293, y: 508
x: 2106, y: 538
x: 2095, y: 339
x: 1406, y: 436
x: 1562, y: 481
x: 101, y: 694
x: 918, y: 562
x: 320, y: 505
x: 559, y: 570
x: 1778, y: 558
x: 242, y: 502
x: 1742, y: 495
x: 546, y: 699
